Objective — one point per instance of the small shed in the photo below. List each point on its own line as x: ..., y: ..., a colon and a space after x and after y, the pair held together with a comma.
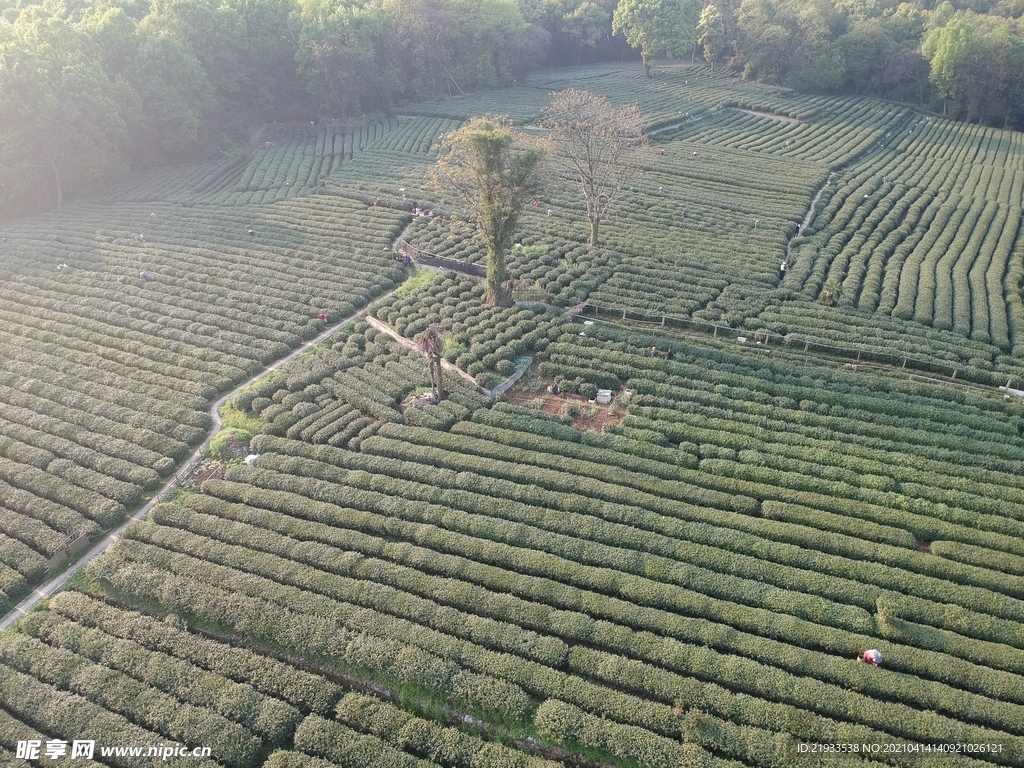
x: 604, y: 396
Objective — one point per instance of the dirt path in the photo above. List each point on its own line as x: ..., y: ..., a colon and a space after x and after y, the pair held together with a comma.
x: 769, y: 115
x: 409, y: 344
x: 809, y: 217
x: 674, y: 127
x: 46, y: 589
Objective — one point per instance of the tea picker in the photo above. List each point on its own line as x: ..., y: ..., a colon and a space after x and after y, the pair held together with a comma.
x: 871, y: 656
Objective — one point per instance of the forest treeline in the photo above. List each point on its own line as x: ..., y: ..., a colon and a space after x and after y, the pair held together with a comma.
x: 92, y: 88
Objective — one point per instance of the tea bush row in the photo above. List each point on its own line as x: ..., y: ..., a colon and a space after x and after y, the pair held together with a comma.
x: 271, y: 677
x: 571, y: 628
x: 568, y: 624
x: 306, y: 623
x: 265, y: 717
x: 123, y: 695
x: 68, y: 716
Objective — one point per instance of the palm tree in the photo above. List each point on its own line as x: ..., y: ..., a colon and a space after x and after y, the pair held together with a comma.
x: 430, y: 346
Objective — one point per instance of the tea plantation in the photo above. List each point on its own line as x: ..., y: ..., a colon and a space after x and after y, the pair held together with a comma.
x: 683, y: 577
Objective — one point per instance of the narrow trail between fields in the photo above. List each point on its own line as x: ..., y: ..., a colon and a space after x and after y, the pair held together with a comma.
x: 674, y: 126
x: 47, y: 588
x: 769, y: 115
x: 809, y: 217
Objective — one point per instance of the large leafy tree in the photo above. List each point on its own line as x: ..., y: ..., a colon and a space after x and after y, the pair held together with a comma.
x: 458, y: 45
x: 1002, y: 65
x: 946, y: 48
x: 986, y: 81
x: 587, y: 24
x: 866, y: 49
x: 711, y: 33
x: 598, y: 145
x: 336, y: 56
x: 493, y: 170
x: 657, y: 26
x: 214, y: 34
x: 269, y: 35
x: 174, y: 95
x: 790, y: 42
x: 60, y: 123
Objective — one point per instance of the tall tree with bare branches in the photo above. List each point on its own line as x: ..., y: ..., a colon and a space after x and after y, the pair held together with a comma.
x: 431, y: 346
x: 599, y: 145
x: 493, y: 169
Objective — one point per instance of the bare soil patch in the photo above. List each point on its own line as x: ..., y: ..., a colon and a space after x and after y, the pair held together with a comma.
x: 214, y: 471
x: 590, y: 415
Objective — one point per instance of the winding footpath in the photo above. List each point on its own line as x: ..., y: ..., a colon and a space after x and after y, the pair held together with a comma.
x: 809, y: 217
x: 46, y: 589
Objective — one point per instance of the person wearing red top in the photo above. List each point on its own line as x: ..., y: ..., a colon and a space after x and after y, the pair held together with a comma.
x: 871, y: 656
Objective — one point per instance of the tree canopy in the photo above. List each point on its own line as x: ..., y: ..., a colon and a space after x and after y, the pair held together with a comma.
x: 657, y: 26
x: 493, y: 170
x: 711, y: 34
x: 598, y: 145
x: 58, y: 109
x: 92, y: 88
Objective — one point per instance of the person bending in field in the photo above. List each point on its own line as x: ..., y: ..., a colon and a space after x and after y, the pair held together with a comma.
x: 871, y: 656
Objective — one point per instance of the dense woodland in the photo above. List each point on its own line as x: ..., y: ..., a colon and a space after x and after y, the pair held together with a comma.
x: 91, y: 88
